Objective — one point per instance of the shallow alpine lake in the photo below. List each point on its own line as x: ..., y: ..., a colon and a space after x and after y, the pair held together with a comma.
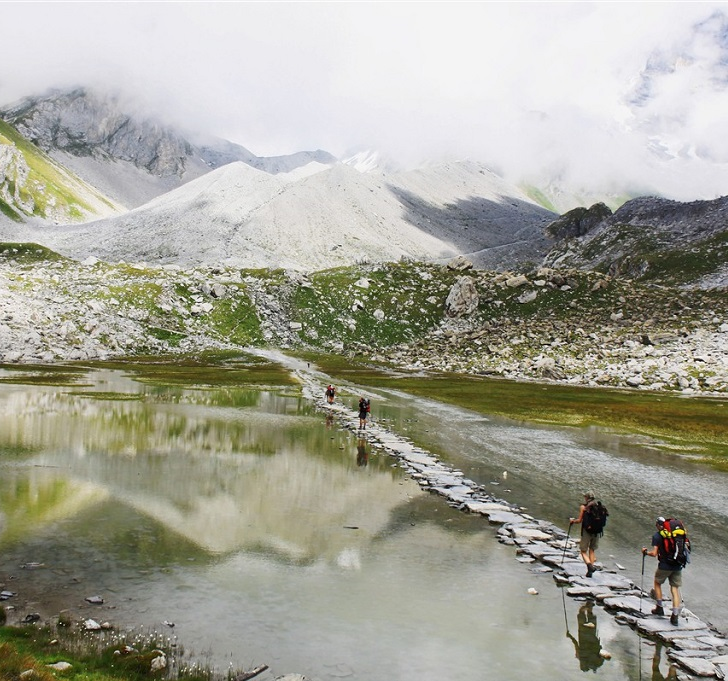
x: 217, y: 498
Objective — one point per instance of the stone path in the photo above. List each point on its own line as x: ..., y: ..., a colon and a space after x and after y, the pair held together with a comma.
x: 695, y: 648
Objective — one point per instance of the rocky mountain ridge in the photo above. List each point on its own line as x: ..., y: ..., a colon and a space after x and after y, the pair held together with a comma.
x: 34, y: 184
x: 308, y: 211
x: 100, y: 137
x: 650, y: 239
x: 303, y: 211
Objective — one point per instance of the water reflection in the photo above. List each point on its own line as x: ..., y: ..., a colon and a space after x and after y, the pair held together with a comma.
x: 222, y: 479
x: 362, y: 452
x: 587, y: 646
x: 657, y: 675
x: 267, y: 534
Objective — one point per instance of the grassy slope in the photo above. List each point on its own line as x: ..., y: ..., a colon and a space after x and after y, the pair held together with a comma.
x: 91, y: 659
x: 49, y: 184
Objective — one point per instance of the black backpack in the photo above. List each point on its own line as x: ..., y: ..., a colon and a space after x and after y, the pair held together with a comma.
x: 674, y: 549
x: 595, y: 517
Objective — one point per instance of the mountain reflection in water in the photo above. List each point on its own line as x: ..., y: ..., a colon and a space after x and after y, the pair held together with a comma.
x: 267, y: 534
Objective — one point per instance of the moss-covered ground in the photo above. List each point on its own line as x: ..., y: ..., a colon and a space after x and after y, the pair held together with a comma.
x: 47, y: 185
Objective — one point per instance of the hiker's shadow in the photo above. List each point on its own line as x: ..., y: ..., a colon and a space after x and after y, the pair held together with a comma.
x: 588, y: 647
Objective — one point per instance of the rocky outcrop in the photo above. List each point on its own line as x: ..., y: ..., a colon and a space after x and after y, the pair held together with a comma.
x: 13, y: 176
x: 88, y: 131
x: 648, y: 238
x: 578, y: 222
x: 84, y: 124
x: 462, y: 299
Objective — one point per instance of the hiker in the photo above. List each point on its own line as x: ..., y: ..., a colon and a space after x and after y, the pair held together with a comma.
x: 330, y: 394
x: 364, y: 409
x: 667, y: 569
x: 593, y: 517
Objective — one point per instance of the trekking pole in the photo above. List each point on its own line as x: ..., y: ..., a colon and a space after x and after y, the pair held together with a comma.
x: 642, y: 580
x: 566, y: 543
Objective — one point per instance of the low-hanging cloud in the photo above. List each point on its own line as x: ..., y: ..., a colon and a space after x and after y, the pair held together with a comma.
x: 532, y: 89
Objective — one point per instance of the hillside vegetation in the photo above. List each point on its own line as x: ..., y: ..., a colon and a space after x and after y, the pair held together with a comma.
x: 564, y: 325
x: 32, y: 184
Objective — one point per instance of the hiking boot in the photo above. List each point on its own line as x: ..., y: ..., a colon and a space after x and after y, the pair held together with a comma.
x: 658, y: 610
x: 589, y: 569
x: 674, y: 619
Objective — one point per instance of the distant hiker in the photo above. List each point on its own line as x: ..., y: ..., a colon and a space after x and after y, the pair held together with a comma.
x: 330, y: 394
x: 593, y: 518
x: 364, y: 409
x: 671, y: 547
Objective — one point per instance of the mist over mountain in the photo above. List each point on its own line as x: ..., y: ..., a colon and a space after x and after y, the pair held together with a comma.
x: 201, y: 200
x: 213, y: 201
x: 125, y: 153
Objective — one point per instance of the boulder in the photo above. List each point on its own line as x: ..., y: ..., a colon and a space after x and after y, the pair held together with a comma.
x: 463, y: 298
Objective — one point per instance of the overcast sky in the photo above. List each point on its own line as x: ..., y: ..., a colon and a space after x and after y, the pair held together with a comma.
x: 521, y: 86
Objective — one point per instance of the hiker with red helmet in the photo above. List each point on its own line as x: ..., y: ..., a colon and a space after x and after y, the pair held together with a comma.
x: 671, y: 547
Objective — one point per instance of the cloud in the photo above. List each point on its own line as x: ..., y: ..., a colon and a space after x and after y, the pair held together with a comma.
x: 526, y: 87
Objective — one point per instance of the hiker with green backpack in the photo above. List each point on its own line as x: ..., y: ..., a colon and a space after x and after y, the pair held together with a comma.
x: 593, y: 517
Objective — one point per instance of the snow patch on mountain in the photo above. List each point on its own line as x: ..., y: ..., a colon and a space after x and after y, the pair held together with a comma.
x: 370, y: 161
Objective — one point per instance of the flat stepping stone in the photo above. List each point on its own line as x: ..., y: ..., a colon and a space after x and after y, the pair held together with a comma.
x: 530, y: 533
x: 458, y: 490
x: 698, y: 666
x: 603, y: 578
x: 485, y: 507
x: 414, y: 457
x: 505, y: 517
x: 631, y: 604
x: 705, y: 653
x: 571, y: 566
x: 540, y: 550
x: 703, y: 643
x: 593, y: 591
x: 713, y: 640
x: 661, y: 626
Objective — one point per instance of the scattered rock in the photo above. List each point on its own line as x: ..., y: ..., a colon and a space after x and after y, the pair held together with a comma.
x: 463, y: 298
x: 60, y: 666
